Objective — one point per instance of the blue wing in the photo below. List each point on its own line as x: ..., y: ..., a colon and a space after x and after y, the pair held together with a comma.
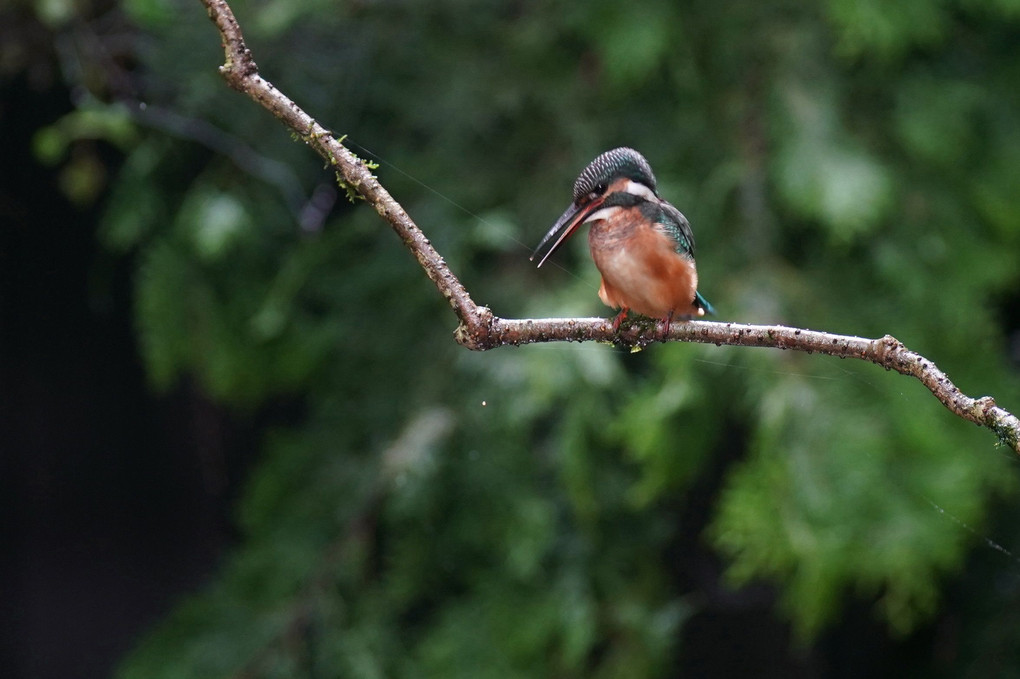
x: 673, y: 222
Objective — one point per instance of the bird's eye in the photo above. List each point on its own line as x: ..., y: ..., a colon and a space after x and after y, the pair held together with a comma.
x: 592, y: 195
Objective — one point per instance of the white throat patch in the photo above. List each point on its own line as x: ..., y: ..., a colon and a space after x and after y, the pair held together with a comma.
x: 602, y: 213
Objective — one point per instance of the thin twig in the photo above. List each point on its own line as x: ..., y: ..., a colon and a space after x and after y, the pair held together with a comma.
x: 480, y: 329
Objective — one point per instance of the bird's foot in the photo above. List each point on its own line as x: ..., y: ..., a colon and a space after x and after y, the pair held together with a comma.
x: 619, y: 319
x: 665, y: 325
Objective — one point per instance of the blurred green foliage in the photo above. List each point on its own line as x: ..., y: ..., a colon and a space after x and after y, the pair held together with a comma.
x: 848, y: 166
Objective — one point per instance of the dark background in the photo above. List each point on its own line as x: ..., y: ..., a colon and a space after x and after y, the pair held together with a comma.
x: 100, y: 538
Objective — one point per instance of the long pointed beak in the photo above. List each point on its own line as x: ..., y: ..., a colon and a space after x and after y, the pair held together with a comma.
x: 563, y: 228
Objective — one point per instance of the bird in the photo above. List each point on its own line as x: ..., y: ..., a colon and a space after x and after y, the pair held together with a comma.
x: 641, y: 244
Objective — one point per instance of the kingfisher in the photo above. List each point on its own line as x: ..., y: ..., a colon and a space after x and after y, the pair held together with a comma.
x: 642, y: 245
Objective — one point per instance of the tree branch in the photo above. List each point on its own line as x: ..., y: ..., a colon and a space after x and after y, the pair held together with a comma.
x: 480, y: 329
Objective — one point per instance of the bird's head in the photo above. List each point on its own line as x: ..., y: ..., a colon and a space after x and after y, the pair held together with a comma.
x: 617, y: 178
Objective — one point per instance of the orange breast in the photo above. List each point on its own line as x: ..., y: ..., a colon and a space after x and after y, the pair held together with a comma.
x: 643, y: 272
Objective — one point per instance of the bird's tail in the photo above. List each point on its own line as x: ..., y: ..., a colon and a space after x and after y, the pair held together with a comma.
x: 702, y: 303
